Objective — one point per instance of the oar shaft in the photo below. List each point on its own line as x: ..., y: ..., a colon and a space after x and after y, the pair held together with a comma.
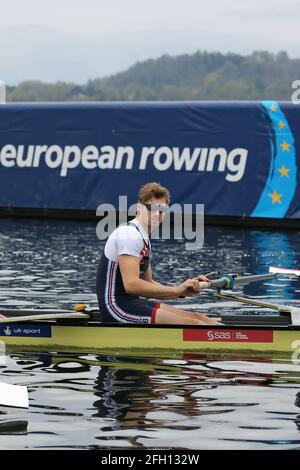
x: 10, y: 312
x: 25, y: 318
x: 256, y: 302
x: 225, y: 282
x: 254, y: 278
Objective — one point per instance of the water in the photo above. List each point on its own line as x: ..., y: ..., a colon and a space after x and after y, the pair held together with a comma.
x: 167, y: 401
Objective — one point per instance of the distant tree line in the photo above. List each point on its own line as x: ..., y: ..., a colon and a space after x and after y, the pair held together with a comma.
x: 201, y: 76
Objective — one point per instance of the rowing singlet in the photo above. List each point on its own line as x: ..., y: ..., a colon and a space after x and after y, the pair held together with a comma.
x: 114, y: 303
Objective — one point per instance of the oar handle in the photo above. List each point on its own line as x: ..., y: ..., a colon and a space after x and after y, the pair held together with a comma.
x: 205, y: 285
x: 227, y: 281
x: 224, y: 282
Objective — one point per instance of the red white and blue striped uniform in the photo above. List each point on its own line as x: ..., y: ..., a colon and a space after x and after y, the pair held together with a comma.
x: 114, y: 303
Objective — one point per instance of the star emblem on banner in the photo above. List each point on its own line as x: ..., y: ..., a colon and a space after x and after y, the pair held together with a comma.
x: 284, y: 171
x: 281, y: 184
x: 285, y: 146
x: 276, y: 197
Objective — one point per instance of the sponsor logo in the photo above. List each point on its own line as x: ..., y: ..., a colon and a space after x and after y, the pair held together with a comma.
x: 222, y: 335
x: 41, y: 331
x: 7, y: 331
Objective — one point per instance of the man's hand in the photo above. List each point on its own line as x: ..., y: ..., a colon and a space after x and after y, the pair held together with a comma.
x: 188, y: 288
x: 201, y: 278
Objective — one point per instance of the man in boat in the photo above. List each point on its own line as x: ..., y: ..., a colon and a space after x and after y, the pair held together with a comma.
x: 124, y: 278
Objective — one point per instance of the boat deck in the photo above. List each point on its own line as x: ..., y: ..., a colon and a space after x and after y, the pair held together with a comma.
x: 256, y: 333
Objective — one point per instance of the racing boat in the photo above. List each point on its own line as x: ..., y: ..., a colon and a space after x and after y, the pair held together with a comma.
x: 81, y: 328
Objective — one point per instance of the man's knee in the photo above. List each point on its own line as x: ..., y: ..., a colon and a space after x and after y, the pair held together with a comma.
x: 167, y: 317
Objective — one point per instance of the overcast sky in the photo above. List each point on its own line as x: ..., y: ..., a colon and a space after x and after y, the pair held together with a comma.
x: 74, y: 40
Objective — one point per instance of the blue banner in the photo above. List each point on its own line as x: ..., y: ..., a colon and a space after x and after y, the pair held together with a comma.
x: 236, y: 158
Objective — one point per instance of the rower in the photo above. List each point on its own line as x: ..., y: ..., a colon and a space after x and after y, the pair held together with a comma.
x: 124, y: 277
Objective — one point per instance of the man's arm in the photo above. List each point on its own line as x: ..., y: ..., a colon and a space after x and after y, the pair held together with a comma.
x: 133, y: 284
x: 148, y: 276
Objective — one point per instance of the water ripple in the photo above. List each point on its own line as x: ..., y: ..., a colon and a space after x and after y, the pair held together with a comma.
x: 180, y: 401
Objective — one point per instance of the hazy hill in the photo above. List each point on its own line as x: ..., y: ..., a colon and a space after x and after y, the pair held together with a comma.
x: 200, y: 76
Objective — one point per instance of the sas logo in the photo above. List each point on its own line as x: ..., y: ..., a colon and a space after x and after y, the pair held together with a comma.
x: 218, y: 335
x: 227, y: 335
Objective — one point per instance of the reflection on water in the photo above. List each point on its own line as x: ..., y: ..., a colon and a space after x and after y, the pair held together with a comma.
x: 276, y: 249
x: 192, y: 402
x: 13, y: 427
x: 125, y: 401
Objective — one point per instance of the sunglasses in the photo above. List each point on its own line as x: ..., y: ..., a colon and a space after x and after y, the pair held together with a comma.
x: 157, y: 208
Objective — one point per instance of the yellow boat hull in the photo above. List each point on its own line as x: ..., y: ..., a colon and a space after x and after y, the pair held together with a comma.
x: 96, y: 336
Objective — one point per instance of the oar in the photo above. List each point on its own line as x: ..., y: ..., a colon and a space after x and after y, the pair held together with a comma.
x: 47, y: 316
x: 227, y: 281
x: 256, y: 302
x: 286, y: 271
x: 13, y: 395
x: 293, y: 311
x: 31, y: 311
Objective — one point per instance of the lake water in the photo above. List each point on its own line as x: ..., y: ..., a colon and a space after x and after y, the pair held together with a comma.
x: 175, y: 401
